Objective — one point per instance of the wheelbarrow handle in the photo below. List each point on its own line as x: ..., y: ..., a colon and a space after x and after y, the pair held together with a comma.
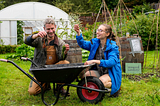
x: 23, y: 58
x: 4, y: 60
x: 26, y: 59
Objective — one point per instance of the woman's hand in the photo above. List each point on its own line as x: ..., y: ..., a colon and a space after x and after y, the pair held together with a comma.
x: 92, y: 62
x: 76, y: 28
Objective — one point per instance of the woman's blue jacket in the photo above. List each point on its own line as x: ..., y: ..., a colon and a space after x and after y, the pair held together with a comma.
x: 112, y: 61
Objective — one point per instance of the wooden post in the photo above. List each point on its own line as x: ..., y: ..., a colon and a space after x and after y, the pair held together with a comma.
x: 105, y: 11
x: 159, y: 62
x: 131, y: 16
x: 121, y: 17
x: 149, y: 41
x: 159, y: 49
x: 156, y: 48
x: 117, y: 38
x: 97, y: 19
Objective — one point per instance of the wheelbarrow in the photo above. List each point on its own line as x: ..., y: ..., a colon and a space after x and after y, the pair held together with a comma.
x: 89, y: 89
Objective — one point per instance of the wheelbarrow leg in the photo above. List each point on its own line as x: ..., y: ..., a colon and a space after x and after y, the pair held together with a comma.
x: 54, y: 89
x: 67, y: 92
x: 59, y: 89
x: 57, y: 96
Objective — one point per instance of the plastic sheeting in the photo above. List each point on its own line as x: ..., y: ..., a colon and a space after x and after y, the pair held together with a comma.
x: 32, y: 10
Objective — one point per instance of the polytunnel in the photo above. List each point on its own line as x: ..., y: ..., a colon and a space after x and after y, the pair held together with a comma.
x: 32, y: 14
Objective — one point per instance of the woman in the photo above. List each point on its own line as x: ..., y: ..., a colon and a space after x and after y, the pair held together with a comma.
x: 104, y: 52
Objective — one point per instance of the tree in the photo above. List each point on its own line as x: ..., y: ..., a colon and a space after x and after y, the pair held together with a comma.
x: 72, y: 6
x: 80, y: 6
x: 131, y: 3
x: 66, y: 5
x: 2, y: 4
x: 95, y: 5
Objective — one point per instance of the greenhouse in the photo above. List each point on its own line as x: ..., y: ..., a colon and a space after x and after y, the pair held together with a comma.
x: 32, y: 14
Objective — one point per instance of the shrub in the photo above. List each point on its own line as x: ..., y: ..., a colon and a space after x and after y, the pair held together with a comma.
x: 143, y: 24
x: 22, y: 51
x: 7, y: 49
x: 139, y: 9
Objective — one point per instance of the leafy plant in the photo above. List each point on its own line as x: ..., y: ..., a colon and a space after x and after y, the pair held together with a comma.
x: 74, y: 19
x: 2, y: 5
x: 89, y: 31
x: 22, y: 51
x: 72, y: 6
x: 63, y: 49
x: 1, y: 42
x: 65, y: 5
x: 139, y: 9
x: 85, y: 55
x: 95, y: 5
x: 19, y: 32
x: 7, y: 49
x: 65, y: 30
x: 62, y: 29
x: 143, y: 23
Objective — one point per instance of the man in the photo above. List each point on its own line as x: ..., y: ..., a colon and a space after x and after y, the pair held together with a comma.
x: 48, y: 50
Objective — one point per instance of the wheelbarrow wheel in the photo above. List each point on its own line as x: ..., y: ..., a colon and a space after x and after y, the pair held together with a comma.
x: 88, y: 95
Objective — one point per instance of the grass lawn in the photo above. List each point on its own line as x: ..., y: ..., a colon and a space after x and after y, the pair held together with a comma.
x: 14, y: 85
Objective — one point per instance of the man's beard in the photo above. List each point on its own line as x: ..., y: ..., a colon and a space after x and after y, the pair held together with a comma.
x: 51, y: 34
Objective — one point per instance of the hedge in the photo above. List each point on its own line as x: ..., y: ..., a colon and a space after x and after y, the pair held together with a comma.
x: 7, y: 49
